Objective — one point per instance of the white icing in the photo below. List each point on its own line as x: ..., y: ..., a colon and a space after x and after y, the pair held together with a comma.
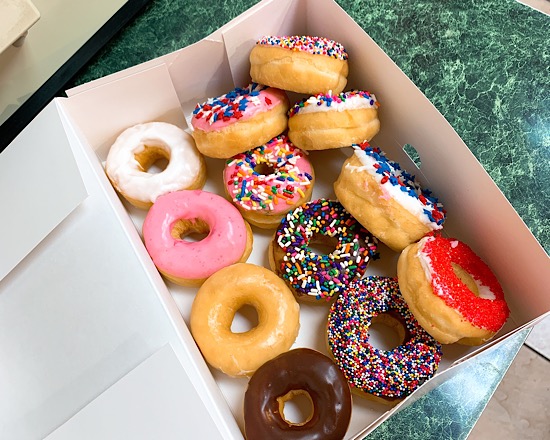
x: 411, y: 204
x: 124, y: 170
x: 484, y: 291
x: 424, y: 259
x: 352, y: 103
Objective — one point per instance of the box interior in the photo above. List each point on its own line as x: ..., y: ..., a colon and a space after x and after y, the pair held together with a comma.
x: 478, y: 213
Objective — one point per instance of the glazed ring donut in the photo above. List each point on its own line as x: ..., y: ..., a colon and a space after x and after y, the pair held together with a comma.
x: 387, y: 200
x: 300, y: 64
x: 299, y: 371
x: 451, y: 291
x: 181, y: 213
x: 331, y: 120
x: 267, y: 182
x: 239, y: 120
x: 383, y: 376
x: 215, y: 305
x: 139, y: 147
x: 310, y: 276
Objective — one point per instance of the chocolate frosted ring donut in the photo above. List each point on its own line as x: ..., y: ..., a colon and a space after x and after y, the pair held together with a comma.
x: 298, y: 371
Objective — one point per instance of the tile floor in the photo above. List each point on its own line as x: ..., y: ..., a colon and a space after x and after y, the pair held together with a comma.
x: 520, y: 407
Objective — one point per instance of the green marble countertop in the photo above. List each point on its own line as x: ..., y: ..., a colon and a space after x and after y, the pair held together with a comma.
x: 485, y: 65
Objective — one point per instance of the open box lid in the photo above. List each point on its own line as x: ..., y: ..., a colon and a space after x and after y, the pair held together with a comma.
x: 77, y: 311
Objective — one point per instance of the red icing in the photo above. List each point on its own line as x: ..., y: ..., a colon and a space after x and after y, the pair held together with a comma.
x: 489, y: 314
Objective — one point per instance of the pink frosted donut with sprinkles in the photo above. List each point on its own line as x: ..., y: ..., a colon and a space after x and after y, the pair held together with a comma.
x: 329, y: 120
x: 267, y: 182
x: 299, y: 63
x: 385, y: 376
x: 318, y: 276
x: 239, y: 120
x: 452, y: 292
x: 386, y: 199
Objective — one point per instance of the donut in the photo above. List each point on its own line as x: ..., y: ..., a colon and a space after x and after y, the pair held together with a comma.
x: 267, y: 182
x: 301, y: 64
x: 215, y: 305
x: 313, y: 277
x: 329, y: 120
x: 181, y: 213
x: 451, y: 291
x: 379, y: 375
x: 239, y: 120
x: 385, y: 199
x: 137, y: 148
x: 299, y: 371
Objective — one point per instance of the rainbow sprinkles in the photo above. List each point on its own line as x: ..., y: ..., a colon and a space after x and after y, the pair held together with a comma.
x: 289, y: 176
x: 312, y: 45
x: 350, y: 100
x: 400, y: 185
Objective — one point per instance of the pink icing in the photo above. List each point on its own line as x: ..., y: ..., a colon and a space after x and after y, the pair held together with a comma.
x: 238, y: 105
x: 276, y: 192
x: 223, y: 246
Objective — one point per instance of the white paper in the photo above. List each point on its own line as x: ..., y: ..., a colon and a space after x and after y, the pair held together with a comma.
x: 156, y: 400
x: 40, y: 185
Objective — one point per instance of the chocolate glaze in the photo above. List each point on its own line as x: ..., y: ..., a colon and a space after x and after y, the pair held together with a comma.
x: 298, y: 369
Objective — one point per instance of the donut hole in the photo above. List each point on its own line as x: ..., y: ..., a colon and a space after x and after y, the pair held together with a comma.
x: 466, y: 278
x: 296, y: 407
x: 152, y: 160
x: 190, y: 230
x: 386, y: 332
x: 245, y: 319
x: 264, y: 169
x: 322, y: 244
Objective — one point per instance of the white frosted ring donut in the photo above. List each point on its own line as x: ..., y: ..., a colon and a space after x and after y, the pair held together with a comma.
x: 139, y: 147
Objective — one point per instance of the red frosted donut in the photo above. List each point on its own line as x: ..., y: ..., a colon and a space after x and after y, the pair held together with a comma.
x: 451, y: 291
x: 299, y: 371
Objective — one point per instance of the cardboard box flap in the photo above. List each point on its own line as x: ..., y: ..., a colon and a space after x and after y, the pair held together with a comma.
x: 39, y: 187
x: 103, y: 112
x: 152, y: 401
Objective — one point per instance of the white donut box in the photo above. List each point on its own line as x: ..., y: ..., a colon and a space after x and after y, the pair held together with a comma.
x: 93, y: 341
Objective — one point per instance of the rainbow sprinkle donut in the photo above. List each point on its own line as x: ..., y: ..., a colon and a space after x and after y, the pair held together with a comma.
x: 307, y: 44
x: 267, y: 182
x: 381, y: 375
x: 300, y: 63
x: 311, y: 276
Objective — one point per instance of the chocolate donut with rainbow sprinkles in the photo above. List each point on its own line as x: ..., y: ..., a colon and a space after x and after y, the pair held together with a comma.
x: 317, y: 276
x: 300, y: 63
x: 385, y: 199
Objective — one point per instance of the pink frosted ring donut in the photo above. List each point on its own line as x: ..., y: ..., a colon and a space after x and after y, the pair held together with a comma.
x: 269, y: 181
x: 178, y: 214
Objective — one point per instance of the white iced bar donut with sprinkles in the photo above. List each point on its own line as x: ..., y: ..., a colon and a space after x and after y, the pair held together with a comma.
x: 387, y: 200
